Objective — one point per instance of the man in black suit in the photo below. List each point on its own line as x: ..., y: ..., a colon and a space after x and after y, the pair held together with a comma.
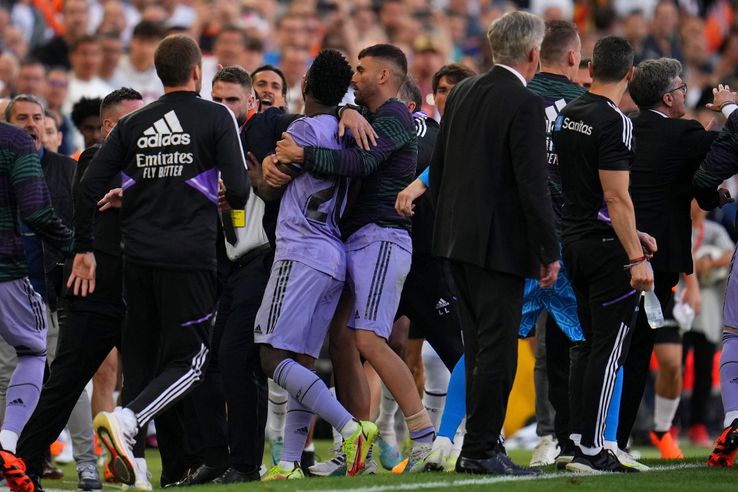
x: 494, y: 221
x: 669, y: 151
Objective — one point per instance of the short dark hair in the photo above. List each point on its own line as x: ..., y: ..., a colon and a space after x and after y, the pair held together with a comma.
x: 612, y: 58
x: 271, y: 68
x: 234, y: 75
x: 329, y: 77
x: 84, y: 39
x: 175, y: 58
x: 54, y: 117
x: 117, y: 96
x: 387, y: 52
x: 148, y: 30
x: 84, y: 108
x: 23, y: 98
x: 232, y: 28
x: 652, y: 79
x: 454, y: 72
x: 410, y: 92
x: 31, y: 61
x: 559, y: 38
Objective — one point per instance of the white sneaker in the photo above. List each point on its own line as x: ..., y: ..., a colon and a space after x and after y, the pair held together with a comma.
x: 117, y: 432
x: 335, y: 467
x: 441, y: 450
x: 143, y: 477
x: 627, y: 459
x: 452, y: 459
x: 416, y: 461
x: 545, y: 452
x: 370, y: 467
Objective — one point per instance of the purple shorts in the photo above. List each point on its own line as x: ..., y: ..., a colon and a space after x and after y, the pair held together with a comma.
x: 730, y: 306
x: 376, y: 274
x: 299, y: 303
x: 22, y: 317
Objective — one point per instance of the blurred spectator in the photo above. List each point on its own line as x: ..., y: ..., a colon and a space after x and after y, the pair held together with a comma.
x: 119, y: 17
x: 635, y: 31
x: 290, y: 31
x: 112, y: 50
x: 137, y: 69
x: 229, y: 50
x: 86, y: 57
x: 428, y: 57
x: 57, y: 85
x: 52, y: 135
x: 31, y: 78
x: 8, y: 74
x: 664, y: 39
x: 15, y: 42
x: 76, y: 23
x: 29, y: 23
x: 254, y: 54
x: 270, y: 87
x: 294, y: 64
x: 583, y: 76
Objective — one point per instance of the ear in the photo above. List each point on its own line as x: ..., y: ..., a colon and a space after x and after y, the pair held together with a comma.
x: 667, y: 99
x: 197, y: 72
x: 589, y: 68
x: 630, y: 74
x: 411, y: 106
x: 570, y: 58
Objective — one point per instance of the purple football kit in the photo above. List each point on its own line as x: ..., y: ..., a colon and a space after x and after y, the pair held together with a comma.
x: 309, y: 267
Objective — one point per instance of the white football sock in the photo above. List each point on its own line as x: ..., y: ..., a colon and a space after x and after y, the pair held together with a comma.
x: 663, y: 413
x: 386, y: 420
x: 277, y: 410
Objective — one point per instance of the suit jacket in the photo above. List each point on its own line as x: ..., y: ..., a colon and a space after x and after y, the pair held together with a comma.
x: 59, y: 173
x: 668, y: 152
x: 488, y: 177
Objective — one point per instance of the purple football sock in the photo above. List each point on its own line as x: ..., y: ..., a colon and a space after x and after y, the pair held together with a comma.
x: 424, y: 435
x: 296, y: 429
x: 311, y: 392
x: 23, y: 391
x: 729, y: 374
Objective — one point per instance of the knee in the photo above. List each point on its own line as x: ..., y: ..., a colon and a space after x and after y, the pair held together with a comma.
x: 269, y: 360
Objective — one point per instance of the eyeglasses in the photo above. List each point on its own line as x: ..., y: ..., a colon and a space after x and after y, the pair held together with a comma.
x: 682, y: 88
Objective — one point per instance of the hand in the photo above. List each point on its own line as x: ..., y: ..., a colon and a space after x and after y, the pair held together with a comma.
x: 641, y: 277
x: 549, y: 274
x: 222, y: 202
x: 83, y: 274
x: 288, y: 151
x: 648, y: 243
x: 112, y: 199
x: 724, y: 197
x: 272, y: 175
x: 693, y: 298
x: 702, y: 265
x: 253, y: 167
x: 405, y: 198
x: 362, y: 131
x: 720, y: 96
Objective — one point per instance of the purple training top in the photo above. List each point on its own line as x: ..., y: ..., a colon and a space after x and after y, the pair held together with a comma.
x: 307, y: 228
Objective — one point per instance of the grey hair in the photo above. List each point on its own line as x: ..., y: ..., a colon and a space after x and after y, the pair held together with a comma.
x: 653, y: 79
x: 23, y: 98
x: 512, y: 36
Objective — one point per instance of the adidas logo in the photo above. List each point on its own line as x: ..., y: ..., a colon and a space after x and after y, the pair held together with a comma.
x: 18, y: 402
x: 302, y: 430
x: 442, y: 303
x: 356, y: 315
x: 164, y: 132
x: 258, y: 330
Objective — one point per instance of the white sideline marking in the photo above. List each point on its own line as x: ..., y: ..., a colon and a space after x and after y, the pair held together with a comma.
x: 492, y: 480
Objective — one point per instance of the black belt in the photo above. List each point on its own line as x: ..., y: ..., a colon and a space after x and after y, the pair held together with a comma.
x: 249, y: 256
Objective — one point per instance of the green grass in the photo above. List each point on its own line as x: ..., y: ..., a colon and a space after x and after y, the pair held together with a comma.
x: 694, y: 476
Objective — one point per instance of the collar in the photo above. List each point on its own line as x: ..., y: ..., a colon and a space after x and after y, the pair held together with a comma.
x: 517, y: 74
x: 659, y: 112
x: 179, y: 95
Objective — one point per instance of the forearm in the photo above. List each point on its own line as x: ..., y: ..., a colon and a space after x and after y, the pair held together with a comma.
x: 622, y: 216
x: 352, y: 163
x: 268, y: 193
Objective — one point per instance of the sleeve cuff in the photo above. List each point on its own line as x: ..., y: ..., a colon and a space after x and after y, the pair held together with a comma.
x: 728, y: 109
x: 424, y: 177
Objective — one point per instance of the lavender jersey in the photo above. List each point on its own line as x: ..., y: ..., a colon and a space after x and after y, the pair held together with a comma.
x: 309, y: 213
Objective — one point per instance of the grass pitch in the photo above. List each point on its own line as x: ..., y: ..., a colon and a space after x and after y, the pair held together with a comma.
x: 690, y: 474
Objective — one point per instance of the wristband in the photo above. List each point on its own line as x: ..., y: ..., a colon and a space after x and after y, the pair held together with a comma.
x: 635, y: 261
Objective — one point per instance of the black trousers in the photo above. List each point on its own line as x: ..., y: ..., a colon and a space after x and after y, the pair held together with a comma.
x: 607, y: 307
x: 89, y: 328
x: 165, y: 338
x: 428, y: 302
x: 491, y: 307
x: 557, y: 370
x: 635, y: 367
x: 235, y: 381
